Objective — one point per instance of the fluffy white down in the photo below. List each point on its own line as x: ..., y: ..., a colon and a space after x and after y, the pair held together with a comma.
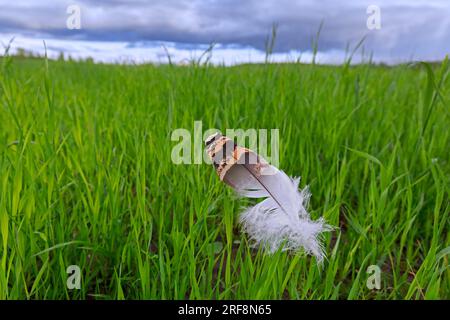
x: 283, y: 222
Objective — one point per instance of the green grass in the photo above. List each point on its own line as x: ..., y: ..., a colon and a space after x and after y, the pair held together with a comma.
x: 86, y: 179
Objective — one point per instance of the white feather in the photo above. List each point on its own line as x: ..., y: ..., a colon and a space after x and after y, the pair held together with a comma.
x: 281, y: 220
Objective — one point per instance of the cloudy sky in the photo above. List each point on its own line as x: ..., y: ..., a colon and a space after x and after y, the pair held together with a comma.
x: 137, y: 30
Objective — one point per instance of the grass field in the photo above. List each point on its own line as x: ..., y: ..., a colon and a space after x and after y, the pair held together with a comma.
x: 86, y: 179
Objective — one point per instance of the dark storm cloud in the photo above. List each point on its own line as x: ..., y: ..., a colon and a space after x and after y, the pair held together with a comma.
x: 408, y: 27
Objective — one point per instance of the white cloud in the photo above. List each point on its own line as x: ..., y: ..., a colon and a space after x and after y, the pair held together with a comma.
x: 154, y: 52
x: 419, y: 28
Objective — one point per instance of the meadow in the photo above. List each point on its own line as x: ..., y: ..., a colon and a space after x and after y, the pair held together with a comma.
x: 86, y: 179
